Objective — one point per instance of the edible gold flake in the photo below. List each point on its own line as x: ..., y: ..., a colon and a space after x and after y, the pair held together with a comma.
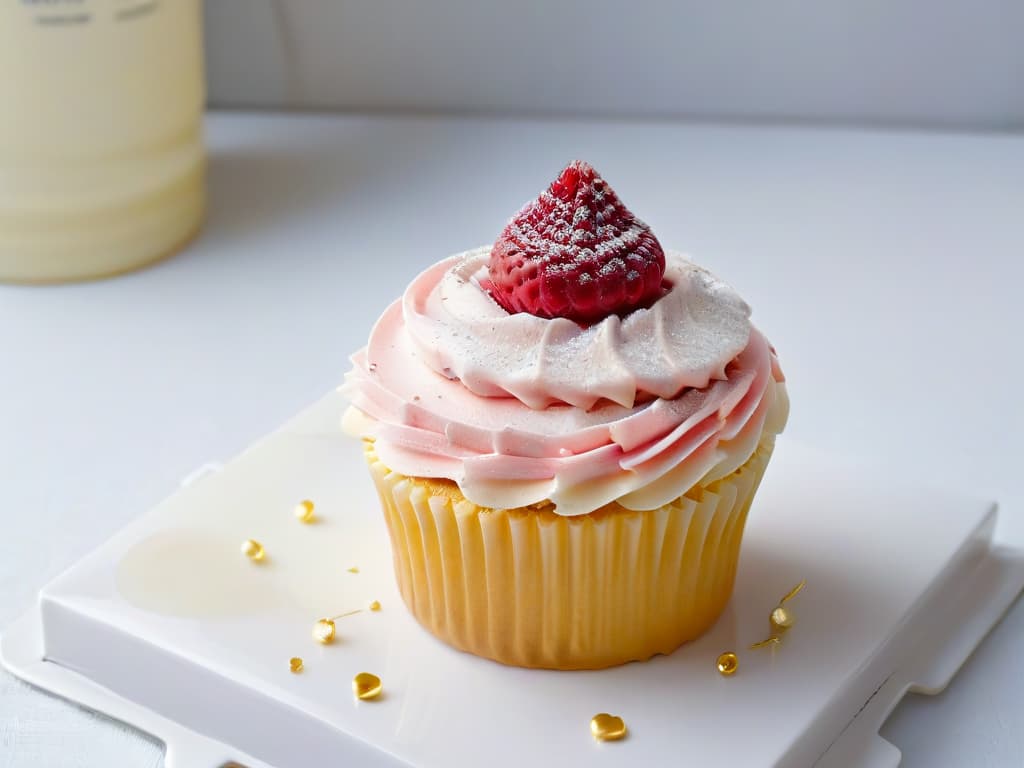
x: 781, y: 618
x: 366, y: 686
x: 304, y: 511
x: 324, y: 631
x: 605, y: 727
x: 253, y: 550
x: 793, y: 592
x: 728, y: 663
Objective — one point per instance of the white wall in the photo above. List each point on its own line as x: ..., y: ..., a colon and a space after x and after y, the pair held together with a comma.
x: 920, y: 62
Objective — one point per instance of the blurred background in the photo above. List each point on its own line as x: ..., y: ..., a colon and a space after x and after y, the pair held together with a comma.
x: 920, y: 63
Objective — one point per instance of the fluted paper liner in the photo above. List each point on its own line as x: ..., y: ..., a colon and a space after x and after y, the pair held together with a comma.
x: 532, y: 588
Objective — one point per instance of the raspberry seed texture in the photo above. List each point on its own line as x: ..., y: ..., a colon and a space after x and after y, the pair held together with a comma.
x: 576, y: 252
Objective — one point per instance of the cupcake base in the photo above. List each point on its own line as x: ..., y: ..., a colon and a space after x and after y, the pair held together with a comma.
x: 531, y: 588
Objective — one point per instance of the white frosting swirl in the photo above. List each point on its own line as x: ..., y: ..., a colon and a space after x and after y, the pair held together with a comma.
x: 683, y: 340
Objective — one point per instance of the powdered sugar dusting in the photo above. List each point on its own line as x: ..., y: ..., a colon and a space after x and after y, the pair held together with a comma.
x: 552, y: 259
x: 685, y: 339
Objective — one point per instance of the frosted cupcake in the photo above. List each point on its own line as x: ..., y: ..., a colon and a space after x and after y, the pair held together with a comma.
x: 566, y: 431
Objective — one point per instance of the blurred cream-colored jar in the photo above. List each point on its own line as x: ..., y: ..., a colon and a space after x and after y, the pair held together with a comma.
x: 101, y: 159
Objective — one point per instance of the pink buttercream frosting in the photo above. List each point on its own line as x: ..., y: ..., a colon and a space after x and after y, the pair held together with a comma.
x: 519, y: 410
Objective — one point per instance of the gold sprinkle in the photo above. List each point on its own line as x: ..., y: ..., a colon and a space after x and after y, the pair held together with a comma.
x: 295, y: 664
x: 781, y: 619
x: 728, y: 663
x: 353, y: 569
x: 324, y: 631
x: 375, y: 605
x: 793, y: 592
x: 347, y: 613
x: 366, y: 686
x: 304, y: 511
x: 605, y: 727
x: 253, y: 550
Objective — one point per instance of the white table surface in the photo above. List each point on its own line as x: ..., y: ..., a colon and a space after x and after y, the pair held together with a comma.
x: 886, y: 268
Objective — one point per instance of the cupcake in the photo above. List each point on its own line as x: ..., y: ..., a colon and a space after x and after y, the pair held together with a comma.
x: 566, y: 431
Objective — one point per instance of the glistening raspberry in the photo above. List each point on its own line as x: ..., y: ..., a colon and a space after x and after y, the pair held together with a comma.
x: 576, y: 252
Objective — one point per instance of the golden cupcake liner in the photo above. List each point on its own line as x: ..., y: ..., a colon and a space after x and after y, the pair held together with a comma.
x: 531, y: 588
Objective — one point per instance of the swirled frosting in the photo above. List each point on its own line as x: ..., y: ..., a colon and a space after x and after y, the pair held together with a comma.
x: 684, y: 340
x: 519, y: 410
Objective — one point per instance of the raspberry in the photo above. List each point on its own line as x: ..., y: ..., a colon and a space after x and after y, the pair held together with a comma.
x: 576, y: 252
